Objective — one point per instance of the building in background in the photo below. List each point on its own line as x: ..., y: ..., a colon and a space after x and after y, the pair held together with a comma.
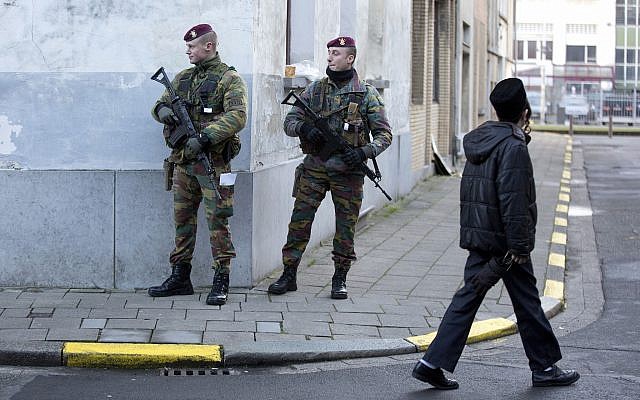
x: 81, y: 157
x: 484, y: 57
x: 564, y: 54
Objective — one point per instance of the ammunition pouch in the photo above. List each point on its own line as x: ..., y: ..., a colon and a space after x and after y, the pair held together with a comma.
x: 296, y: 180
x: 175, y: 136
x: 168, y: 167
x: 231, y: 149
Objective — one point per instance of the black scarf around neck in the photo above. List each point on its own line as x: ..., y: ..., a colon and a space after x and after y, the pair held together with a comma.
x: 340, y: 76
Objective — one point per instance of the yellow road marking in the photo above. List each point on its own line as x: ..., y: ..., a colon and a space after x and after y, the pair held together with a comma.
x: 554, y: 289
x: 130, y: 355
x: 557, y: 260
x: 559, y: 238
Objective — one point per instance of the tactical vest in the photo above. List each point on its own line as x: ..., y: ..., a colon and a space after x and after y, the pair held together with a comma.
x: 204, y: 100
x: 343, y: 111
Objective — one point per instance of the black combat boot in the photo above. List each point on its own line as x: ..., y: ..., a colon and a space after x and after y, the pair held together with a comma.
x: 178, y: 282
x: 286, y: 283
x: 219, y: 289
x: 339, y: 284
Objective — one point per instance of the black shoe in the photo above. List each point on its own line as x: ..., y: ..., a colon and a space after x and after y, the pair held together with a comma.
x: 339, y: 284
x: 219, y: 290
x: 178, y: 283
x: 434, y: 377
x: 554, y: 377
x: 286, y: 282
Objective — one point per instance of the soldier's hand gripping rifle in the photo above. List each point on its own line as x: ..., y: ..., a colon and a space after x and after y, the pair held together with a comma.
x: 333, y: 142
x: 184, y: 129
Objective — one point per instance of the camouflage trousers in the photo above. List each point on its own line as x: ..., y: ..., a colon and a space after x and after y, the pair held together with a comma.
x: 189, y: 190
x: 309, y: 190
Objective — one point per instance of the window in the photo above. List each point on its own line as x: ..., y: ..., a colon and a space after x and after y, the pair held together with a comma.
x: 520, y: 50
x: 631, y: 73
x: 619, y: 73
x: 620, y: 15
x: 531, y: 50
x: 548, y: 50
x: 575, y: 54
x: 620, y: 56
x: 300, y: 26
x: 418, y: 24
x: 439, y: 13
x: 631, y: 15
x: 631, y: 56
x: 581, y: 54
x: 591, y: 54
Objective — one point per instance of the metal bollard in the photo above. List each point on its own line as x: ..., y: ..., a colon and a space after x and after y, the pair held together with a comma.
x: 570, y: 125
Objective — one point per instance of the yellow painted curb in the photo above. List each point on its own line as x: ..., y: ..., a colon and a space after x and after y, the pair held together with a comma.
x: 560, y: 221
x: 556, y: 259
x: 566, y: 174
x: 565, y: 189
x: 554, y: 289
x: 422, y: 341
x: 564, y: 197
x: 559, y: 238
x: 562, y: 208
x: 491, y: 329
x: 130, y: 355
x: 480, y: 330
x: 565, y: 181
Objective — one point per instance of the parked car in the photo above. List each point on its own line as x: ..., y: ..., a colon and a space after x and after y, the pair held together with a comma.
x: 576, y: 105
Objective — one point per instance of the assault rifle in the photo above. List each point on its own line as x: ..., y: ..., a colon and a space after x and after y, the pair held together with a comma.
x: 184, y: 130
x: 334, y: 143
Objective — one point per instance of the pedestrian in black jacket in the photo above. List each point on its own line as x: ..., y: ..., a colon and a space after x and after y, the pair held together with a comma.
x: 497, y: 226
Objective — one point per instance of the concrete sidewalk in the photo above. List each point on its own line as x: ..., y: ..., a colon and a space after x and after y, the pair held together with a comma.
x: 409, y: 266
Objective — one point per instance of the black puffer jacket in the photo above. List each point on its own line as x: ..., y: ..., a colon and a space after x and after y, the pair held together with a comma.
x: 497, y: 194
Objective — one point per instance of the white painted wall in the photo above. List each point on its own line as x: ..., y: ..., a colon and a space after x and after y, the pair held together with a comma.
x: 76, y: 76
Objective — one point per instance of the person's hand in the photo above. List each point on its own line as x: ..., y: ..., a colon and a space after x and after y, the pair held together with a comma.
x: 353, y: 157
x: 194, y: 146
x: 167, y: 116
x: 488, y: 276
x: 311, y: 134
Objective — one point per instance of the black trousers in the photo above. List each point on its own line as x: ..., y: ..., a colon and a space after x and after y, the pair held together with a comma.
x: 538, y: 339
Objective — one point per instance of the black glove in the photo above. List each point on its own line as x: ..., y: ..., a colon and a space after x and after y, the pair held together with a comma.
x: 490, y: 274
x: 194, y: 146
x: 353, y: 157
x: 311, y: 134
x: 167, y: 116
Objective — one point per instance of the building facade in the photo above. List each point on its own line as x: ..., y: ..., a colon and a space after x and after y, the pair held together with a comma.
x: 565, y: 56
x: 81, y: 157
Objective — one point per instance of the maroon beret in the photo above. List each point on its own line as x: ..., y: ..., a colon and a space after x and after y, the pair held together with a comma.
x: 342, y: 41
x: 197, y: 31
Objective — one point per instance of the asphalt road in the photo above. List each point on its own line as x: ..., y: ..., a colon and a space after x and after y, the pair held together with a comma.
x: 605, y: 349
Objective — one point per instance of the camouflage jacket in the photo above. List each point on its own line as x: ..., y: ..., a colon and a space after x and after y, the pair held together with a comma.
x: 216, y: 98
x: 365, y: 116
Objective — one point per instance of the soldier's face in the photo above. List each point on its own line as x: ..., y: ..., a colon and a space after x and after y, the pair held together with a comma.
x: 198, y: 50
x: 338, y: 60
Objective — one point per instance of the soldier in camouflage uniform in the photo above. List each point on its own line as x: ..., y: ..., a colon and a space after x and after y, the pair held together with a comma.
x: 216, y: 98
x: 351, y: 108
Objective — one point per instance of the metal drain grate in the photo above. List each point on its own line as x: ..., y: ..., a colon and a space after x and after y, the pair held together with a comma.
x: 197, y: 372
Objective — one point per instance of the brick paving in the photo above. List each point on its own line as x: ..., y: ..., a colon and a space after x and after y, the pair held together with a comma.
x: 409, y: 266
